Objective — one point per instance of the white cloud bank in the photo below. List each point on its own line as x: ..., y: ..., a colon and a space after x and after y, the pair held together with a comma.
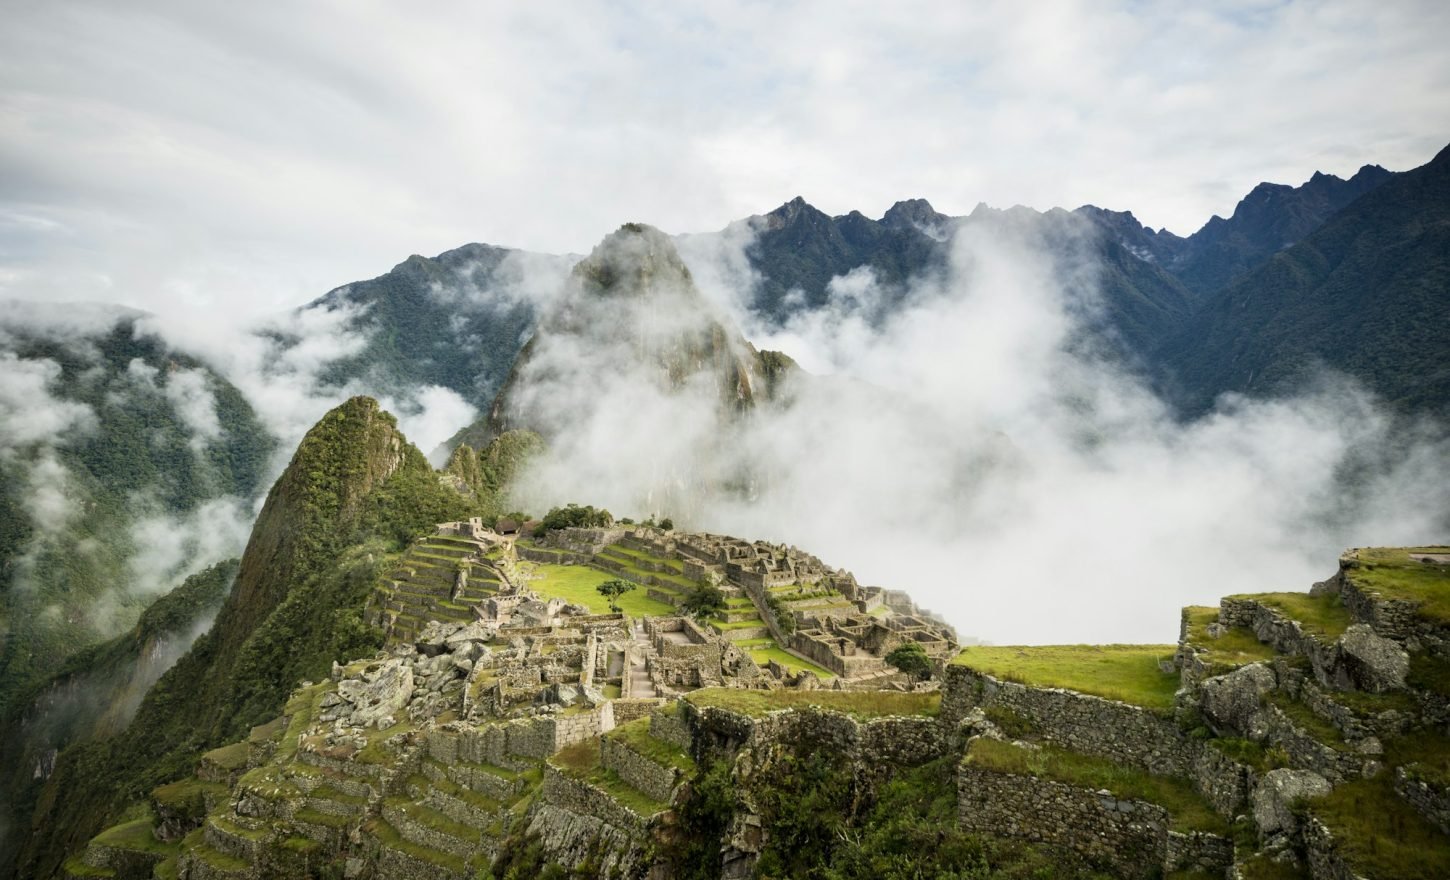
x: 967, y: 450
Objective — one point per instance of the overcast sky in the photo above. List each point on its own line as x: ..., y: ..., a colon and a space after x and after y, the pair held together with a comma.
x: 246, y: 157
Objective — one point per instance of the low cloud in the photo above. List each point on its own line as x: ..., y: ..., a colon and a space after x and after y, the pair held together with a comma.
x: 968, y: 447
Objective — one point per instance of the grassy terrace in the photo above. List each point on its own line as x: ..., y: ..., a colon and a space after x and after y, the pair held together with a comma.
x: 674, y: 565
x: 1189, y: 811
x: 389, y: 837
x: 1398, y: 573
x: 581, y: 761
x: 636, y: 735
x: 1321, y: 616
x: 861, y: 704
x: 1127, y: 673
x: 769, y: 650
x: 1381, y: 835
x: 1234, y: 648
x: 134, y: 835
x: 577, y: 583
x: 630, y: 563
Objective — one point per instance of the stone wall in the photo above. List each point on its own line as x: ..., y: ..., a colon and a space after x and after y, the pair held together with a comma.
x: 1128, y: 837
x: 626, y: 711
x: 1430, y: 800
x: 668, y: 724
x: 637, y: 771
x: 1083, y: 723
x: 878, y: 746
x: 581, y: 798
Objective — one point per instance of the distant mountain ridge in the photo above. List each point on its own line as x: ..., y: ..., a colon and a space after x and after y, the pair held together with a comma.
x: 1367, y: 294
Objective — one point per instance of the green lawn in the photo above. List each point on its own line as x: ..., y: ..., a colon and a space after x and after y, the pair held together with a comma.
x: 1189, y: 810
x: 863, y: 704
x: 763, y: 654
x: 1127, y: 673
x: 1322, y: 616
x: 1398, y: 573
x: 1236, y: 647
x: 577, y: 583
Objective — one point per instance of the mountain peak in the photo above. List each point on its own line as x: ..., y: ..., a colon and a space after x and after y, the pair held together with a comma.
x: 636, y: 260
x: 914, y: 213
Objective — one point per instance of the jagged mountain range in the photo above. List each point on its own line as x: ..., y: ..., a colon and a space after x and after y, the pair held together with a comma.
x: 459, y: 320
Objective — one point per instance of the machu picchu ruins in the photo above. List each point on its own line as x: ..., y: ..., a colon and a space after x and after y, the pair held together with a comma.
x: 1283, y: 735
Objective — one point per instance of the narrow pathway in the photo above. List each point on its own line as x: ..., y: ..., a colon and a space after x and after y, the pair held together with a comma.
x: 640, y: 685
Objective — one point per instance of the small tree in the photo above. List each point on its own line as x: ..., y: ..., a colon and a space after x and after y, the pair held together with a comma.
x: 612, y: 590
x: 911, y: 658
x: 703, y: 602
x: 667, y: 524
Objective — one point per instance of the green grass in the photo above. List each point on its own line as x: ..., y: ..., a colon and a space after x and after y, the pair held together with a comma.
x: 674, y: 565
x: 1236, y: 647
x: 389, y: 837
x: 374, y: 752
x: 1304, y: 718
x: 1245, y: 751
x: 433, y: 819
x: 1261, y: 867
x: 1429, y: 673
x: 134, y: 835
x: 1381, y: 835
x: 862, y: 704
x: 1127, y: 673
x: 1397, y: 573
x: 1363, y: 703
x: 1428, y: 751
x: 636, y: 735
x: 577, y: 583
x: 1189, y: 811
x: 1321, y: 616
x: 229, y: 757
x: 187, y: 795
x: 77, y: 868
x: 581, y: 761
x: 611, y: 691
x: 317, y: 817
x: 766, y: 653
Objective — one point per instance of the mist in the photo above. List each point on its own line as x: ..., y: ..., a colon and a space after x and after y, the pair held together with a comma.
x: 974, y: 445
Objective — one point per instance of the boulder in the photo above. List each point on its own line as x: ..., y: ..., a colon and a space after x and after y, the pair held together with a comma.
x: 1370, y: 662
x: 1276, y: 795
x: 475, y: 633
x: 379, y: 693
x: 1233, y: 700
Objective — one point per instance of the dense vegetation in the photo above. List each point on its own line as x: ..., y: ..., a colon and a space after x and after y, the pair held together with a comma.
x: 140, y: 458
x: 439, y: 321
x: 574, y: 516
x: 824, y: 823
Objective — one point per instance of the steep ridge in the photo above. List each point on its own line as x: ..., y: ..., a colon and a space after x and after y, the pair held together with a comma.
x: 355, y: 492
x: 1364, y: 295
